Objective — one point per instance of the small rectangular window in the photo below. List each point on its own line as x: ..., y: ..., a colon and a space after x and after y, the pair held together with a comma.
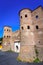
x: 37, y: 27
x: 36, y: 16
x: 28, y: 27
x: 25, y: 15
x: 22, y: 27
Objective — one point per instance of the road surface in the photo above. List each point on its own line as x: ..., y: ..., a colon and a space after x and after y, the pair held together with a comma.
x: 10, y: 58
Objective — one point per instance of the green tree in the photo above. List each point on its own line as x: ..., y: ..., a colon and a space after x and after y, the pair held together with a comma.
x: 1, y: 40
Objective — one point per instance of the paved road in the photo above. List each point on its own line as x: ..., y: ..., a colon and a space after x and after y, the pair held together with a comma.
x: 8, y: 58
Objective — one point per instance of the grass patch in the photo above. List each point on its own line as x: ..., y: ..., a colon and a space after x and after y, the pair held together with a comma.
x: 10, y: 51
x: 36, y: 51
x: 19, y: 59
x: 36, y: 60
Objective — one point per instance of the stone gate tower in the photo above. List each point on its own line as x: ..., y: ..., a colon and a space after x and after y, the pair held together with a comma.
x: 31, y: 27
x: 7, y: 38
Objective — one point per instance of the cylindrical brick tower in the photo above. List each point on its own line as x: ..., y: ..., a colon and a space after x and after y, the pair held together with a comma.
x: 6, y: 38
x: 27, y: 52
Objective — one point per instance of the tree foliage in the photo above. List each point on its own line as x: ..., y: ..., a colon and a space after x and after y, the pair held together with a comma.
x: 1, y: 39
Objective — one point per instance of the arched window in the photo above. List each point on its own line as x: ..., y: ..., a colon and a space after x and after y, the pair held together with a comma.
x: 36, y: 16
x: 28, y: 27
x: 7, y: 36
x: 7, y: 30
x: 25, y: 15
x: 37, y: 27
x: 21, y: 17
x: 22, y: 27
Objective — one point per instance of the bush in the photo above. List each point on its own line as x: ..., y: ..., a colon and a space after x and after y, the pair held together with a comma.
x: 37, y: 60
x: 19, y: 59
x: 36, y: 51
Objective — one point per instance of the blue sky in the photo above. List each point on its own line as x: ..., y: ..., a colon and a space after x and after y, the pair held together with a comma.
x: 9, y: 12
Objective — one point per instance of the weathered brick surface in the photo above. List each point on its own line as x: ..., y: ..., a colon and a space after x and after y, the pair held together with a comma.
x: 27, y: 53
x: 8, y: 42
x: 33, y: 36
x: 28, y: 37
x: 40, y: 52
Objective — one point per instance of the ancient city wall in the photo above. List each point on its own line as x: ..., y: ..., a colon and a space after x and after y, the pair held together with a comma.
x: 31, y: 34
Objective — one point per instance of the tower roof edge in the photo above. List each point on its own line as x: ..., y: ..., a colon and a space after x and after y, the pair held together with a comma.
x: 31, y: 9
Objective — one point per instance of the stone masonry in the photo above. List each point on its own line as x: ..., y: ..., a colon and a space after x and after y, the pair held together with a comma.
x: 9, y: 38
x: 30, y: 35
x: 31, y: 27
